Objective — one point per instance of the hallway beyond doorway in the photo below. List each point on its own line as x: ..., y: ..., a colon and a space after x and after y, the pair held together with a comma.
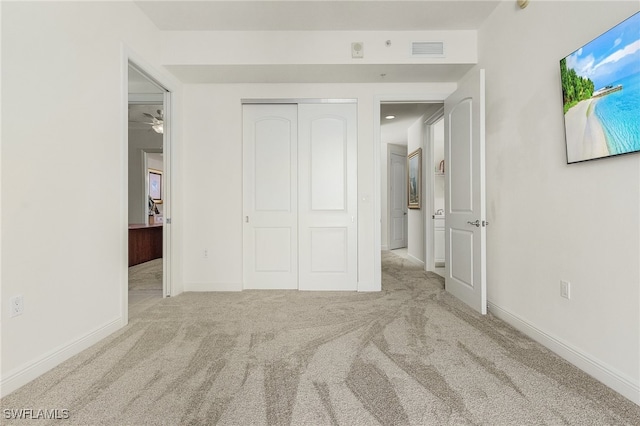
x: 403, y: 253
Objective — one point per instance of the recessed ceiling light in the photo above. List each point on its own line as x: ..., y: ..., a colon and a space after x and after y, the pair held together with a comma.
x: 390, y: 117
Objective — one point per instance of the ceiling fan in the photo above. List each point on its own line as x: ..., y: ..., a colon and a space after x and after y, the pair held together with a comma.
x: 157, y: 122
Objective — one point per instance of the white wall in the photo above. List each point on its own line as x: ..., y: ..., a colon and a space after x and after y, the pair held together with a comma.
x: 213, y: 173
x: 550, y: 221
x: 312, y: 47
x: 384, y: 196
x: 415, y: 242
x: 63, y: 218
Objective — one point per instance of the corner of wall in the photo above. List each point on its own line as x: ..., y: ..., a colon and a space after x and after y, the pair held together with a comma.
x: 31, y: 370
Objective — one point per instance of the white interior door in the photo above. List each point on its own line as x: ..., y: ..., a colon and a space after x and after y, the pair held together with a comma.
x: 465, y: 226
x: 398, y: 201
x: 327, y: 148
x: 270, y: 237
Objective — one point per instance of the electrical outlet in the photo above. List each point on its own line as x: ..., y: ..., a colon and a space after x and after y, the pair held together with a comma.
x: 16, y: 306
x: 565, y: 289
x: 205, y: 254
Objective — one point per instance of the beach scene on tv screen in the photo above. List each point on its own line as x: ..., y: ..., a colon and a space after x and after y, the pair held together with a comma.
x: 601, y: 94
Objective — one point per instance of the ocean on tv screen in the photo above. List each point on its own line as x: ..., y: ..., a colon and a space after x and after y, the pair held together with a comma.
x: 619, y: 114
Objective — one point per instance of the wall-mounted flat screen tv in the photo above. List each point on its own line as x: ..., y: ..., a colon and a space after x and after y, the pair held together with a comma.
x: 601, y: 94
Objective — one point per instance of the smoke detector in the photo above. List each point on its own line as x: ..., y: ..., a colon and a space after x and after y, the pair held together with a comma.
x: 357, y: 49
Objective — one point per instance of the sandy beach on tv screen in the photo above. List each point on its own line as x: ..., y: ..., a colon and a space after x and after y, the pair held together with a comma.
x: 585, y: 136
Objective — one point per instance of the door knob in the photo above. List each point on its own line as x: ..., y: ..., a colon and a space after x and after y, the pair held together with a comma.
x: 476, y: 223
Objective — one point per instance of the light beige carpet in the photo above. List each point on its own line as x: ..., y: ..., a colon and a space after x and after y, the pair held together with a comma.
x: 410, y: 354
x: 146, y: 276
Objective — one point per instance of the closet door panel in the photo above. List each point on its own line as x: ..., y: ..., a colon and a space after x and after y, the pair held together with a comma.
x: 270, y: 203
x: 327, y: 203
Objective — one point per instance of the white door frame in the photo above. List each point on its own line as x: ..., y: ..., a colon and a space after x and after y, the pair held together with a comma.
x: 167, y: 83
x: 165, y: 100
x: 429, y: 182
x: 434, y: 97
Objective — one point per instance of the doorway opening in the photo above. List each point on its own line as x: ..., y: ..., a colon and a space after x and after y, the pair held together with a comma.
x: 406, y: 128
x: 148, y: 184
x: 465, y: 207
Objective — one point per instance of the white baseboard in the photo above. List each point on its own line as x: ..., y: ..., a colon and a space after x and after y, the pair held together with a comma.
x: 34, y: 369
x: 415, y: 260
x: 212, y: 287
x: 384, y: 247
x: 606, y: 374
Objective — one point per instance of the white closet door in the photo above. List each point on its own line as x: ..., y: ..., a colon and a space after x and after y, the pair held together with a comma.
x: 270, y: 196
x: 327, y: 203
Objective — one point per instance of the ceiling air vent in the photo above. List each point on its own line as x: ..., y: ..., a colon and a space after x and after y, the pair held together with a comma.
x: 427, y: 48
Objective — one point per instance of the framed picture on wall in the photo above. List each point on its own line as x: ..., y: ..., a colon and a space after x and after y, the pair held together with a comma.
x: 155, y: 185
x: 414, y: 178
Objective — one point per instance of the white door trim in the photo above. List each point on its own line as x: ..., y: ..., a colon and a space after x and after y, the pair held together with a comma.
x: 167, y: 234
x: 429, y: 182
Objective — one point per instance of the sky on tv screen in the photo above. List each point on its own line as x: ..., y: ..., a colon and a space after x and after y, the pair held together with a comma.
x: 610, y: 57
